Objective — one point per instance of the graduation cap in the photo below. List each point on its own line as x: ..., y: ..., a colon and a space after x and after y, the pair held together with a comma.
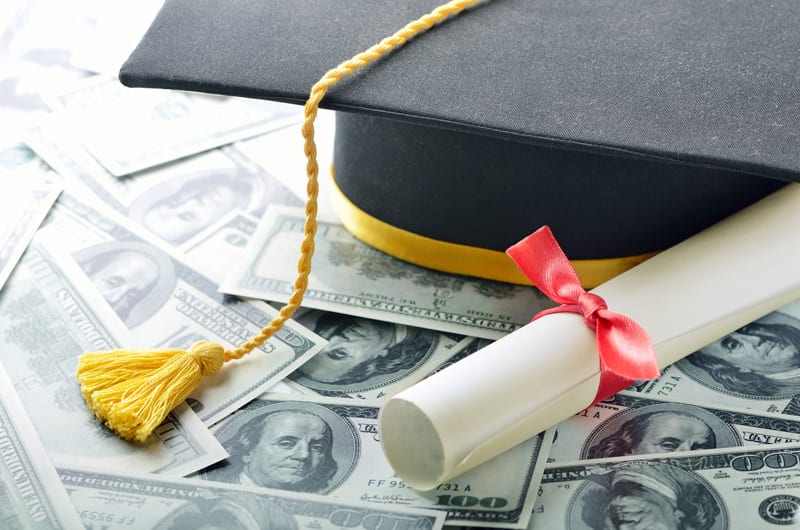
x: 625, y: 126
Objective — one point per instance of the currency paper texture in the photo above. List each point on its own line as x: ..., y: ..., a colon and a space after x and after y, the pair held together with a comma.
x: 350, y: 277
x: 31, y: 495
x: 45, y: 324
x: 29, y: 189
x: 222, y: 243
x: 122, y: 502
x: 332, y: 447
x: 735, y: 489
x: 278, y: 153
x: 755, y: 367
x: 131, y: 130
x: 631, y: 425
x: 370, y: 359
x: 183, y: 203
x: 168, y: 304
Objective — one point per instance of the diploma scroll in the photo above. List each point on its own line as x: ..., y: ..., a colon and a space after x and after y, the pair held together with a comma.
x: 686, y: 297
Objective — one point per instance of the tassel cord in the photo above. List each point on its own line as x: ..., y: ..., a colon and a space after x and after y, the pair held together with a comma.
x: 317, y: 93
x: 132, y: 391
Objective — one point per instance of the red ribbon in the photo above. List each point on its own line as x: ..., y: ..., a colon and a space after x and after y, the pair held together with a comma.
x: 626, y: 351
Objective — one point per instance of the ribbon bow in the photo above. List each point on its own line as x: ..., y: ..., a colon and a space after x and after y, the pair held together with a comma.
x: 626, y: 351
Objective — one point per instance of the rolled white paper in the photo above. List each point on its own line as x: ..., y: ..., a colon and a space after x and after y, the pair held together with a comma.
x: 686, y: 297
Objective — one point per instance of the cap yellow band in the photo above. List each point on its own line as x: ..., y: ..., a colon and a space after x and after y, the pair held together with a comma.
x: 459, y: 259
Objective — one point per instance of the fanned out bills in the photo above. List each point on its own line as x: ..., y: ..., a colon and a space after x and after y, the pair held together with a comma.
x: 31, y: 495
x: 222, y: 243
x: 165, y: 303
x: 332, y: 447
x: 200, y: 206
x: 131, y: 130
x: 736, y: 489
x: 29, y: 189
x: 122, y: 502
x: 632, y: 425
x: 370, y: 359
x: 45, y: 324
x: 755, y: 367
x: 278, y: 153
x: 352, y: 278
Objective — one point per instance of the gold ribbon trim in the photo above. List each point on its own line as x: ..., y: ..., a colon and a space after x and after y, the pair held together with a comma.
x: 459, y: 259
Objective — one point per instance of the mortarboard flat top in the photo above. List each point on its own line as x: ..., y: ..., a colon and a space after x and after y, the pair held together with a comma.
x: 625, y: 125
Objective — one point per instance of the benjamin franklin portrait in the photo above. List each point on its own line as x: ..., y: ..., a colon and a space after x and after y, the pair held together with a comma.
x: 136, y: 279
x: 294, y: 446
x: 659, y: 428
x: 178, y: 208
x: 759, y: 360
x: 361, y: 354
x: 650, y: 495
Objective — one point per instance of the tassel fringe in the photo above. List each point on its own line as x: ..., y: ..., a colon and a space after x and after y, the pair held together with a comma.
x: 133, y: 391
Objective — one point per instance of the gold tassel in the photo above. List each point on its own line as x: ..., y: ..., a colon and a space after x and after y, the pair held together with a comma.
x: 133, y: 391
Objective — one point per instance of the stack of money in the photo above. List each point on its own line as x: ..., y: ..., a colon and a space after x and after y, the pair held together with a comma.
x: 153, y: 219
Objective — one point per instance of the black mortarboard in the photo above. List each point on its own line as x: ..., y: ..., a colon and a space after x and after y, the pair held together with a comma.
x: 625, y: 125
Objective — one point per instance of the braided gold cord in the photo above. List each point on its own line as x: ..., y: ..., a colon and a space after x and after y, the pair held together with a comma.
x: 318, y: 91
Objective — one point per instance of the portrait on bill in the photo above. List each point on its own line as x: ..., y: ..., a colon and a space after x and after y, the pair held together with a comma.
x: 759, y: 360
x: 659, y: 428
x: 229, y: 511
x: 649, y: 495
x: 362, y: 354
x: 177, y: 208
x: 294, y: 446
x: 136, y: 279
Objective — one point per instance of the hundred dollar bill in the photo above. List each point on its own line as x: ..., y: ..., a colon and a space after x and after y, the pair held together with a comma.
x: 180, y: 203
x: 370, y: 359
x: 353, y: 278
x: 31, y: 495
x: 167, y: 304
x: 130, y: 130
x: 332, y: 447
x: 755, y: 367
x: 629, y: 424
x: 222, y: 243
x: 736, y: 489
x: 29, y: 189
x: 281, y: 153
x: 119, y: 502
x: 45, y: 324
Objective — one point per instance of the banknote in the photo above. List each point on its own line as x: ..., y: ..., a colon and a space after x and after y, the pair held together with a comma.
x: 755, y: 367
x: 130, y: 130
x: 45, y: 324
x: 29, y: 189
x: 730, y: 489
x: 167, y: 304
x: 332, y: 447
x: 180, y: 202
x: 350, y: 277
x: 468, y: 350
x: 630, y: 425
x: 31, y: 495
x: 281, y: 153
x: 370, y: 359
x: 35, y: 55
x: 115, y: 502
x: 222, y: 243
